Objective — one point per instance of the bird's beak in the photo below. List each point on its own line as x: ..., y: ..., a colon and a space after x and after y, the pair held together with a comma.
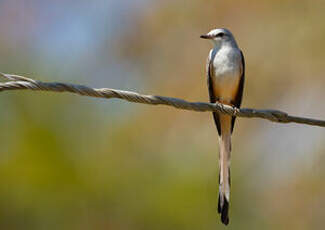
x: 205, y: 36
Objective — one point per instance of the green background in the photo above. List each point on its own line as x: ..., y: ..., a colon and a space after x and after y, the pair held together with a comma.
x: 71, y: 162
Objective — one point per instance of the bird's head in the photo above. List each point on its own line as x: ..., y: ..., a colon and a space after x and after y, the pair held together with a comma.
x: 220, y: 37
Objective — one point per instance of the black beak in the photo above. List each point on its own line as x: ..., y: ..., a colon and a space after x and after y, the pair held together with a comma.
x: 205, y: 36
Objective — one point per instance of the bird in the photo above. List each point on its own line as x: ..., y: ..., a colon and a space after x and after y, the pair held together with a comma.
x: 225, y: 71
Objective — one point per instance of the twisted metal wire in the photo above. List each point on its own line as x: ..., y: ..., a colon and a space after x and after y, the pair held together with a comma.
x: 15, y: 82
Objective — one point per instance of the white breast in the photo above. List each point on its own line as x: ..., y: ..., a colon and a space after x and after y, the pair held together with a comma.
x: 226, y: 65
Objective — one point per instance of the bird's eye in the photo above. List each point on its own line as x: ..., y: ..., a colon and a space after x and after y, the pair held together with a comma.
x: 220, y: 35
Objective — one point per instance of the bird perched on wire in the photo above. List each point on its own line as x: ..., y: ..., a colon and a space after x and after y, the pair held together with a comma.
x: 225, y: 70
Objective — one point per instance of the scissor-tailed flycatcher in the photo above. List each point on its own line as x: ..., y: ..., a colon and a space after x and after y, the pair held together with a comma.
x: 226, y: 73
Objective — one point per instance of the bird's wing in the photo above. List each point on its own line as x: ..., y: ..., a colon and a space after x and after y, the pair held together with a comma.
x: 212, y: 95
x: 239, y: 95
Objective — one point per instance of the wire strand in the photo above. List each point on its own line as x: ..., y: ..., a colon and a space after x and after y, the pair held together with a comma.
x: 16, y: 82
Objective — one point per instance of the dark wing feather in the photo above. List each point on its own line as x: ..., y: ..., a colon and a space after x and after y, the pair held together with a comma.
x: 213, y: 98
x: 239, y: 95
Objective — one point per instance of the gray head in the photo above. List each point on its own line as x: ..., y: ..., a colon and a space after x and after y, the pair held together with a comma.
x: 220, y: 37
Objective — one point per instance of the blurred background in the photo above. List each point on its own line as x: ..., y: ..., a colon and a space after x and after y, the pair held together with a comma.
x: 71, y: 162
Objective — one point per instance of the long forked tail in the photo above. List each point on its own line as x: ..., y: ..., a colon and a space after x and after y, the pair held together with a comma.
x: 224, y: 168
